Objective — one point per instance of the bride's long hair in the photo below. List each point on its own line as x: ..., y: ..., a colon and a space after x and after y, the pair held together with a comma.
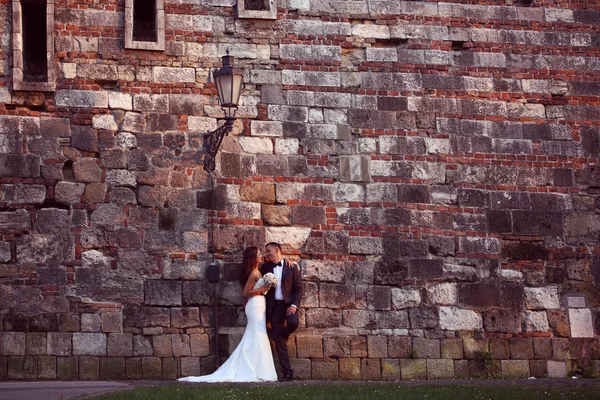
x: 248, y: 264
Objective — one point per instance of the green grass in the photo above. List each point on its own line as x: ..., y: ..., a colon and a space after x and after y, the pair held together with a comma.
x: 351, y: 391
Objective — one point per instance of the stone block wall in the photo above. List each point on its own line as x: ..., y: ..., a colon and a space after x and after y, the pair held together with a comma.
x: 432, y: 166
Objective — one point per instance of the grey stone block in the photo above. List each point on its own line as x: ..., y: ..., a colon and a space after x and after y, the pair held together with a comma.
x: 151, y: 103
x: 521, y: 348
x: 413, y: 369
x: 492, y: 295
x: 392, y: 319
x: 326, y: 79
x: 537, y: 223
x: 81, y: 98
x: 323, y: 318
x: 91, y: 322
x: 18, y: 220
x: 52, y: 220
x: 167, y: 293
x: 186, y: 104
x: 369, y: 119
x: 19, y: 165
x: 142, y: 345
x: 356, y: 168
x: 336, y: 296
x: 84, y: 138
x: 141, y: 316
x: 12, y: 343
x: 22, y: 368
x: 120, y: 344
x: 515, y: 368
x: 68, y: 192
x: 377, y: 54
x: 39, y: 249
x: 5, y: 252
x: 67, y: 368
x: 107, y: 215
x: 440, y: 369
x: 89, y: 344
x: 306, y: 52
x: 133, y: 122
x: 34, y: 194
x: 112, y: 322
x: 288, y: 113
x: 425, y: 268
x: 365, y: 245
x: 122, y: 195
x: 59, y: 344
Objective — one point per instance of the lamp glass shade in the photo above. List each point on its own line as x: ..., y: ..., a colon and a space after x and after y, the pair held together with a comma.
x: 229, y: 88
x: 236, y: 89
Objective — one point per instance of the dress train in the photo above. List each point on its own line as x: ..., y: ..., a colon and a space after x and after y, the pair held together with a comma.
x: 252, y: 360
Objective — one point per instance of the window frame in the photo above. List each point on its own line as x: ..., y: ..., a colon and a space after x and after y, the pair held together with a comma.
x: 159, y: 12
x: 17, y: 41
x: 271, y: 13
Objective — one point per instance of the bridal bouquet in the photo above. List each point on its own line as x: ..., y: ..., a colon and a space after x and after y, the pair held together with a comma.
x: 270, y: 279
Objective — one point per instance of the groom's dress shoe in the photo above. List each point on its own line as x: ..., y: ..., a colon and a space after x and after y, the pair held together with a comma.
x: 287, y: 378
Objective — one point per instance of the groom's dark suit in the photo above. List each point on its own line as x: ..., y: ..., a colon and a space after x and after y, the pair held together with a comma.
x: 292, y: 290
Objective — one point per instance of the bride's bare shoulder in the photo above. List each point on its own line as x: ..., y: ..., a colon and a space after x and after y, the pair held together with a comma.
x: 255, y: 274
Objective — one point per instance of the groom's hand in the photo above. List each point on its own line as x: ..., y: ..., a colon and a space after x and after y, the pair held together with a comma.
x: 291, y: 310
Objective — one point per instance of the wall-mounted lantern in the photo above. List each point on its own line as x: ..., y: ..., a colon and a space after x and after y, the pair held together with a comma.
x: 229, y: 87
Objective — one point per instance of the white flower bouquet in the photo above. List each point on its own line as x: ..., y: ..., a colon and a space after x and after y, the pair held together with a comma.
x: 270, y: 279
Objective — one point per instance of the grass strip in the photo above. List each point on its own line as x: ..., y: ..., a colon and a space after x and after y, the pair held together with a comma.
x: 352, y: 391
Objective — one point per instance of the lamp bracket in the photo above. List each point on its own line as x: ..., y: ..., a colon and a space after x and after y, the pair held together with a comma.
x: 212, y: 142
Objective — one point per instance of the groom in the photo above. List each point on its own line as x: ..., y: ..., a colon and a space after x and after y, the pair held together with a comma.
x: 283, y: 301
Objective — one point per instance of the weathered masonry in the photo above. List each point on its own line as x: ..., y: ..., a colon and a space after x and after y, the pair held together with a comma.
x: 432, y: 165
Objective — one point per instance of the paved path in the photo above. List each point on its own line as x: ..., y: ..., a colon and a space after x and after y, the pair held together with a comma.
x: 52, y: 390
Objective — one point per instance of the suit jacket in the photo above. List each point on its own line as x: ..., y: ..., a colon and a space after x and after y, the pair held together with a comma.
x: 291, y: 285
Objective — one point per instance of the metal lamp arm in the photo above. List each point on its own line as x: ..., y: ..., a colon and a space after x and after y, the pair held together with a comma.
x: 212, y: 142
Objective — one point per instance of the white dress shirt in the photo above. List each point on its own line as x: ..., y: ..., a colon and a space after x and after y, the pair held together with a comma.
x: 278, y: 270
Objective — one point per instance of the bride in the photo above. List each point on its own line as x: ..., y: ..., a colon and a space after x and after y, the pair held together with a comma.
x: 252, y: 360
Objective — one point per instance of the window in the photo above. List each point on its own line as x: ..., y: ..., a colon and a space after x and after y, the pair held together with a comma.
x: 145, y: 24
x: 258, y: 9
x: 34, y: 66
x: 257, y: 5
x: 144, y: 20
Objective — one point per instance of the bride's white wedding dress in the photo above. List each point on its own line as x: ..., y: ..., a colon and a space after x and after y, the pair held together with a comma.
x: 252, y: 360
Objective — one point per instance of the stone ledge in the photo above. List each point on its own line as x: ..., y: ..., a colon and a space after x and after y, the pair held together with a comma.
x: 149, y: 366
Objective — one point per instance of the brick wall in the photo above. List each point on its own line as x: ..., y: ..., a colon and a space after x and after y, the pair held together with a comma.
x: 432, y: 166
